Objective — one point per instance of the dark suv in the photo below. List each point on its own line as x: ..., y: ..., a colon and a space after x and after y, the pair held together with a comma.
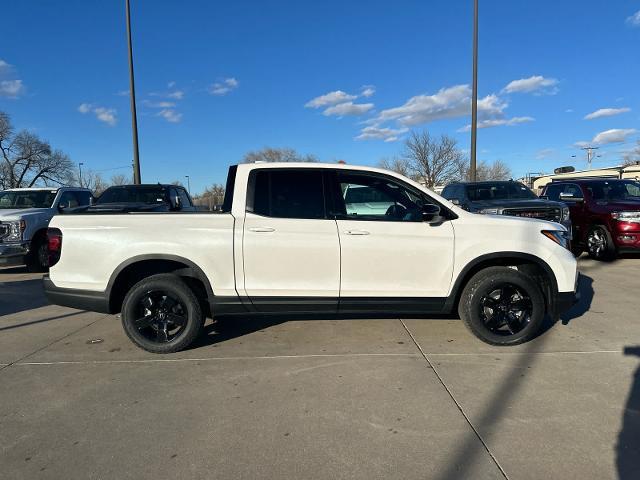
x: 505, y: 198
x: 605, y: 214
x: 147, y: 198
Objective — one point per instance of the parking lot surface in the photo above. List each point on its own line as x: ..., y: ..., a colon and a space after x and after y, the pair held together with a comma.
x: 356, y: 399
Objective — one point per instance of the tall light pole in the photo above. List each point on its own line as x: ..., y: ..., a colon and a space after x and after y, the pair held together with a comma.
x: 188, y: 184
x: 134, y: 119
x: 80, y: 172
x: 474, y: 100
x: 590, y: 155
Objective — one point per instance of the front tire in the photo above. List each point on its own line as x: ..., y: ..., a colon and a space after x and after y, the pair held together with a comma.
x: 38, y: 257
x: 600, y: 244
x: 161, y: 314
x: 502, y: 306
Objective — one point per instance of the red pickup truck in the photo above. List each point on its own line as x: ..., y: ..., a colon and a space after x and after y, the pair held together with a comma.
x: 605, y: 214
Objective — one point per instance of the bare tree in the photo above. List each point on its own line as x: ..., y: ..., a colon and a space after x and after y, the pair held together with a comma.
x: 27, y: 160
x: 632, y: 157
x: 396, y: 164
x: 91, y: 180
x: 212, y: 196
x: 269, y: 154
x: 432, y: 161
x: 120, y: 179
x: 498, y: 170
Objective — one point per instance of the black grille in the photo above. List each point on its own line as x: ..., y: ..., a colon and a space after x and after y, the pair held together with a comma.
x: 552, y: 214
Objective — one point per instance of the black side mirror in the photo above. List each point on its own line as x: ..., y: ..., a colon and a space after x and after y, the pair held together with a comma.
x: 62, y: 207
x: 430, y: 212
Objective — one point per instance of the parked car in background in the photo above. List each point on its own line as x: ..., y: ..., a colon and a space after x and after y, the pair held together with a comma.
x: 506, y: 198
x: 605, y: 214
x: 147, y: 198
x: 24, y: 217
x: 289, y: 241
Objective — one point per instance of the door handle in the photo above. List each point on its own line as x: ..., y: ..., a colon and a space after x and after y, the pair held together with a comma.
x: 356, y: 232
x: 262, y: 229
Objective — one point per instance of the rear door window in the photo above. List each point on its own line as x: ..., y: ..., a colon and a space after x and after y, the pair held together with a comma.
x: 284, y: 193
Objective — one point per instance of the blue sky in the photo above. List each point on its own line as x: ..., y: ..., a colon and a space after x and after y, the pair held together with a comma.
x: 342, y: 80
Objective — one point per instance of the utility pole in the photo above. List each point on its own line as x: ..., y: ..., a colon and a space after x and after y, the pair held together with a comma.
x: 80, y: 172
x: 188, y: 184
x: 474, y: 100
x: 132, y: 93
x: 590, y: 155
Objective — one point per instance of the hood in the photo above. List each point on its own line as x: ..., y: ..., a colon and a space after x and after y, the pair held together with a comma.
x: 18, y: 213
x: 507, y: 203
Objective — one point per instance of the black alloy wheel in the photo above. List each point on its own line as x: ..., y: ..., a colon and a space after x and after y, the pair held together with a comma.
x: 599, y: 243
x: 506, y: 310
x: 503, y: 306
x: 162, y: 314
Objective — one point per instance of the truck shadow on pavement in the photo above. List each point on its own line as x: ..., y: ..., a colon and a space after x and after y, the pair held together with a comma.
x: 585, y: 287
x: 19, y: 296
x: 628, y: 446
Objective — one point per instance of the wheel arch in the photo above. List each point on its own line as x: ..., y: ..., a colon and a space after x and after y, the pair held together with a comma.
x: 524, y: 261
x: 134, y: 269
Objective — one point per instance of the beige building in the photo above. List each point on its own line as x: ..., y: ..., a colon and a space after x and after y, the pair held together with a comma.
x: 632, y: 171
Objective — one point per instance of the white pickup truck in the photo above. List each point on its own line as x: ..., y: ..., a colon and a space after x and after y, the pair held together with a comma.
x: 286, y: 242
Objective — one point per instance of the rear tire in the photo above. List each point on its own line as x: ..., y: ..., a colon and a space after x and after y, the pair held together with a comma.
x: 161, y: 314
x: 502, y: 306
x: 600, y: 245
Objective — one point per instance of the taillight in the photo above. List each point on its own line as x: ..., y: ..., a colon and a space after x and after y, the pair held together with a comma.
x: 54, y: 243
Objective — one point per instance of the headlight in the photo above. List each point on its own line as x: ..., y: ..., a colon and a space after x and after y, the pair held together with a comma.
x: 16, y: 229
x: 489, y: 211
x: 561, y: 237
x: 629, y: 216
x: 565, y: 214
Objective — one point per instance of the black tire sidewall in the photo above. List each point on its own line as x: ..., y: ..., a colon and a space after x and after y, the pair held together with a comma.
x: 175, y: 286
x: 486, y: 281
x: 33, y: 257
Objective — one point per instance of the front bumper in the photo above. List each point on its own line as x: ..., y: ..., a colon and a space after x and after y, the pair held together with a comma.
x: 626, y: 236
x: 13, y: 254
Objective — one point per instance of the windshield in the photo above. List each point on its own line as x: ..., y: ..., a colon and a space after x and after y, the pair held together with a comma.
x: 614, y: 190
x: 499, y: 191
x: 149, y: 195
x: 27, y: 199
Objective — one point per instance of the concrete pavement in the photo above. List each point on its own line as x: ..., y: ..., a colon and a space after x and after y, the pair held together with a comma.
x: 357, y: 399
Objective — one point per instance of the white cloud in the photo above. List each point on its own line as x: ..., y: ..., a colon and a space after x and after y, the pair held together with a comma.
x: 161, y: 104
x: 348, y: 108
x: 4, y: 66
x: 122, y: 93
x: 367, y: 91
x: 448, y: 102
x: 330, y: 98
x: 569, y: 110
x: 11, y: 88
x: 606, y: 112
x: 615, y: 135
x: 170, y: 115
x: 225, y: 86
x: 171, y: 84
x: 177, y: 95
x: 106, y: 115
x: 375, y: 132
x: 497, y: 122
x: 84, y: 108
x: 536, y: 84
x: 634, y: 20
x: 544, y: 153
